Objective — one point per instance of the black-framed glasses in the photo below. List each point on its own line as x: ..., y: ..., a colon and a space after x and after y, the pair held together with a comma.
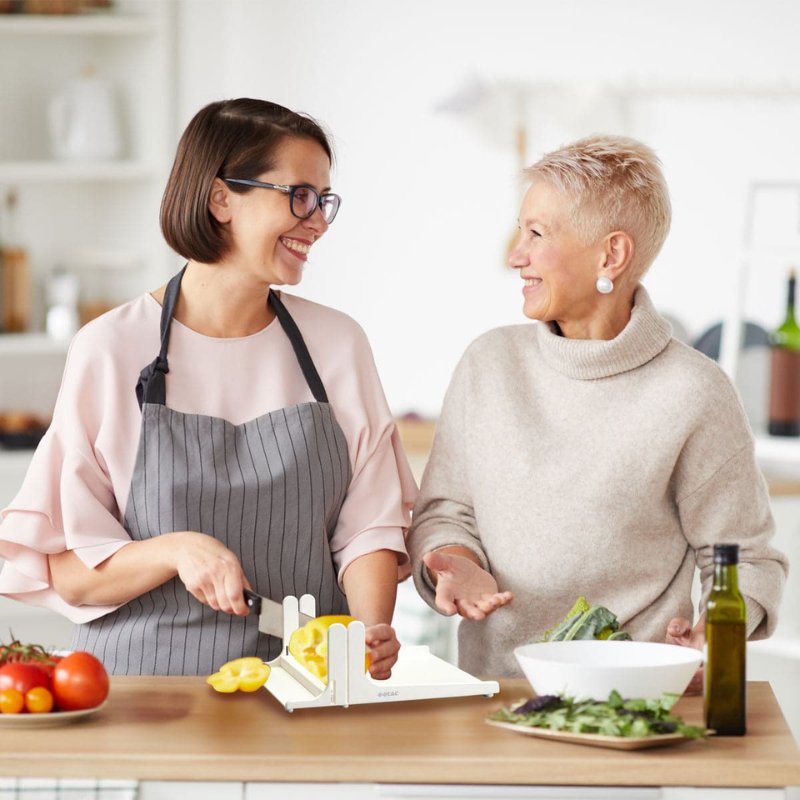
x: 303, y: 200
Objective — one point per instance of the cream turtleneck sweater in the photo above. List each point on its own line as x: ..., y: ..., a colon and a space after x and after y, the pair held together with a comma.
x: 602, y: 468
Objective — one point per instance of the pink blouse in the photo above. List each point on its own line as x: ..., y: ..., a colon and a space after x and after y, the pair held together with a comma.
x: 76, y: 489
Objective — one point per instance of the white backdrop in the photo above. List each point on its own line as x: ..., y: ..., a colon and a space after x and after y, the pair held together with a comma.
x: 430, y: 196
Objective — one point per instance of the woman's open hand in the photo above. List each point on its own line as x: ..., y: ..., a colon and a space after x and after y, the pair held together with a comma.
x: 463, y: 587
x: 681, y: 632
x: 210, y: 572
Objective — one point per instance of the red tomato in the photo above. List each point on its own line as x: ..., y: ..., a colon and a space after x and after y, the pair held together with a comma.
x: 51, y: 665
x: 79, y: 681
x: 23, y: 677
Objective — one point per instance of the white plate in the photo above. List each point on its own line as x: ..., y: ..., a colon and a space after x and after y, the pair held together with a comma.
x: 49, y: 720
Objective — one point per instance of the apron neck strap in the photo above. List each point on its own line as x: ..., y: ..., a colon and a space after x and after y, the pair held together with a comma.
x: 299, y: 346
x: 152, y: 387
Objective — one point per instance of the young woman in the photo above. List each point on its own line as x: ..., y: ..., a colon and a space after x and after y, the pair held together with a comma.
x: 217, y: 434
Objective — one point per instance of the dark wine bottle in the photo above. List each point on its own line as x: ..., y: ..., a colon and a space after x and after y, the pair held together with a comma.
x: 784, y: 383
x: 726, y: 646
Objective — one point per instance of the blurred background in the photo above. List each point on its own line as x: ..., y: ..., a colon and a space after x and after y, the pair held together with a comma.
x: 433, y: 108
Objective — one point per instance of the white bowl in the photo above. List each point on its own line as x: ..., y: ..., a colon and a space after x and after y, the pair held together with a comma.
x: 591, y: 669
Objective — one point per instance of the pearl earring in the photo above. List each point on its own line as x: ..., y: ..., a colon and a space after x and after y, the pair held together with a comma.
x: 604, y: 285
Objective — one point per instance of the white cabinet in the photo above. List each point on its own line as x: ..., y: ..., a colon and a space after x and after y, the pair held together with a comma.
x: 771, y: 210
x: 64, y: 206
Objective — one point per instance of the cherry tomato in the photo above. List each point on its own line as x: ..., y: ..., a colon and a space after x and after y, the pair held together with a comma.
x: 11, y: 701
x: 39, y: 700
x: 23, y: 677
x: 79, y: 681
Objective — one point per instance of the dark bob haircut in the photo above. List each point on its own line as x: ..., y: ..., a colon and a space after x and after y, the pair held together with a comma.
x: 236, y: 138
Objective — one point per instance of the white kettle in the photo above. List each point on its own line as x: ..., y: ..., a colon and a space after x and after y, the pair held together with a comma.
x: 84, y: 125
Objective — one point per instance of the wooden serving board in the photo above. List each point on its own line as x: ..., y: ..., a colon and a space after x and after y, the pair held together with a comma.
x: 595, y: 739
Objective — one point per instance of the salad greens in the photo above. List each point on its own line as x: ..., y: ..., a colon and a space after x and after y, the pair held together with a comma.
x: 586, y: 622
x: 615, y: 717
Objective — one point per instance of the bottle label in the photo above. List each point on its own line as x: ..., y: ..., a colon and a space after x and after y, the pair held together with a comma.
x: 725, y: 678
x: 784, y: 387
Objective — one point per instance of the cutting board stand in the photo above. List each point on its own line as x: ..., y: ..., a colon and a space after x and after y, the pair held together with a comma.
x: 417, y: 675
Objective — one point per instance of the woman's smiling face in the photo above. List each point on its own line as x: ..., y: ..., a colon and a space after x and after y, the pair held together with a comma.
x: 266, y: 237
x: 558, y: 267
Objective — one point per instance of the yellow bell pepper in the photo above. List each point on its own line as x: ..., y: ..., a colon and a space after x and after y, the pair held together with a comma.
x: 241, y: 674
x: 309, y: 644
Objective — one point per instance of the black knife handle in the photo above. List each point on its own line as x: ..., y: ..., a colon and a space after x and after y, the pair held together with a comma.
x: 253, y: 601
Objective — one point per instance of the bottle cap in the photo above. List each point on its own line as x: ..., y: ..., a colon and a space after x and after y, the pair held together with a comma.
x: 726, y: 553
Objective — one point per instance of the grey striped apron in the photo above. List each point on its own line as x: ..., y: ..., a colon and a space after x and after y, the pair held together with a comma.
x: 270, y: 489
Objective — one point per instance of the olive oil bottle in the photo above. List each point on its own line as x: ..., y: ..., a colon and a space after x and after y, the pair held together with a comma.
x: 726, y: 643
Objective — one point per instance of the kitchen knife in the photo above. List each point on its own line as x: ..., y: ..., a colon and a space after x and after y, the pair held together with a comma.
x: 270, y: 613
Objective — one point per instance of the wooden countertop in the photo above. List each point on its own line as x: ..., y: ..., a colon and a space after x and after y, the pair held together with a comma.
x: 180, y: 729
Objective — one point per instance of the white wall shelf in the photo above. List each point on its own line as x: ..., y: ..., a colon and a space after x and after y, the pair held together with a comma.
x: 776, y: 455
x: 30, y: 344
x: 13, y: 468
x: 777, y: 450
x: 99, y: 24
x: 783, y: 646
x: 15, y: 462
x: 46, y: 170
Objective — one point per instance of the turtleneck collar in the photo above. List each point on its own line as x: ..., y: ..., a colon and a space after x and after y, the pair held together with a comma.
x: 643, y: 338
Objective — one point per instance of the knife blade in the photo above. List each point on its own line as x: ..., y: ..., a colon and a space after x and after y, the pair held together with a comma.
x: 270, y: 613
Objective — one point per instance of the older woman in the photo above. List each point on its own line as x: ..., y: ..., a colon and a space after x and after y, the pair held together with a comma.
x: 589, y: 454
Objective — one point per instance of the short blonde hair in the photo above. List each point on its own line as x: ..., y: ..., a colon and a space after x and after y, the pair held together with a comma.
x: 617, y: 184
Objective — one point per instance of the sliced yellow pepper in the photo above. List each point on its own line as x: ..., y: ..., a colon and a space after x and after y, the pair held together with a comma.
x: 242, y: 675
x: 309, y: 644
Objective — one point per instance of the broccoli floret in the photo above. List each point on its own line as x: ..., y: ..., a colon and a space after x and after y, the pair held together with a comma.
x: 581, y: 606
x: 586, y: 622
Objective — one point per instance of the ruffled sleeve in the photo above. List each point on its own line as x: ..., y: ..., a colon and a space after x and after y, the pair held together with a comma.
x: 66, y: 501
